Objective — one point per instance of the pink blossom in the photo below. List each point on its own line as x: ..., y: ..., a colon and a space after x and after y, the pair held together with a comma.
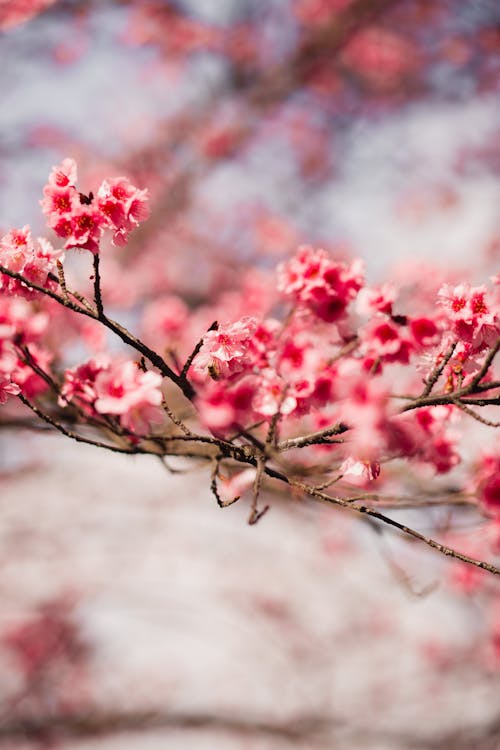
x: 165, y: 319
x: 120, y: 388
x: 59, y: 201
x: 382, y: 58
x: 313, y: 280
x: 224, y: 406
x: 358, y: 471
x: 15, y: 12
x: 87, y: 225
x: 425, y: 435
x: 124, y: 205
x: 424, y: 332
x: 79, y: 383
x: 364, y: 407
x: 133, y: 395
x: 376, y: 299
x: 470, y: 313
x: 385, y: 341
x: 272, y: 396
x: 35, y: 260
x: 64, y: 175
x: 489, y: 483
x: 80, y: 220
x: 7, y: 388
x: 19, y: 320
x: 263, y: 344
x: 233, y: 487
x: 225, y: 351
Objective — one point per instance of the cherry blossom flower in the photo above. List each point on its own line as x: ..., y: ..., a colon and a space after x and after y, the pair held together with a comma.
x: 35, y: 260
x: 224, y: 406
x: 80, y: 220
x: 133, y: 395
x: 470, y: 313
x: 124, y: 205
x: 119, y: 388
x: 272, y: 396
x: 225, y: 351
x: 364, y: 406
x: 384, y: 341
x: 359, y: 472
x: 425, y: 435
x: 313, y: 280
x: 165, y: 320
x: 7, y: 388
x: 376, y: 299
x: 488, y: 483
x: 234, y: 486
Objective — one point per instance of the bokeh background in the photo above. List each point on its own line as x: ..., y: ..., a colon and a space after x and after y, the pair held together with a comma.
x: 134, y: 613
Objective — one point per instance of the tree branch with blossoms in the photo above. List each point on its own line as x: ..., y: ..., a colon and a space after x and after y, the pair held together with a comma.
x: 304, y: 396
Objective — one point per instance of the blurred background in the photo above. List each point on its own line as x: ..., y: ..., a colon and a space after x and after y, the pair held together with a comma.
x: 134, y: 613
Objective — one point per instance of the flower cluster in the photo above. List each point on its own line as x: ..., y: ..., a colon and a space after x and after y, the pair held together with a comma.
x: 306, y: 362
x: 471, y: 316
x: 314, y: 281
x: 81, y: 219
x: 34, y: 259
x: 20, y: 326
x: 225, y: 351
x: 118, y: 388
x: 488, y: 483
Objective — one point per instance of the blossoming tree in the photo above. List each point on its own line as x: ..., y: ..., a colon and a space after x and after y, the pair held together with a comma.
x: 298, y: 377
x: 302, y: 390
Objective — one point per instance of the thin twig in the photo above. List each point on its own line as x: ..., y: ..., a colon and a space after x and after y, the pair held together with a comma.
x: 62, y: 280
x: 97, y: 286
x: 365, y: 510
x: 175, y: 420
x: 213, y: 485
x: 477, y: 417
x: 189, y: 360
x: 116, y: 328
x: 255, y: 514
x: 314, y: 438
x: 438, y: 371
x: 74, y: 435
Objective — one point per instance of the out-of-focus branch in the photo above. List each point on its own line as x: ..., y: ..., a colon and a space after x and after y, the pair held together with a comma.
x: 93, y: 724
x: 261, y: 90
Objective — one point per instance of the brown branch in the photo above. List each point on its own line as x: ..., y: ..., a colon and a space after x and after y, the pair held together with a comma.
x: 255, y: 513
x: 94, y: 724
x: 365, y: 510
x: 438, y: 371
x: 314, y: 438
x: 477, y: 417
x: 213, y: 486
x: 74, y: 435
x: 189, y: 360
x: 122, y: 333
x: 456, y: 396
x: 261, y: 90
x: 97, y: 286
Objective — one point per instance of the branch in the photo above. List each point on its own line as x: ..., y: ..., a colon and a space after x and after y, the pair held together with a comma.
x: 314, y: 438
x: 74, y: 435
x: 107, y: 723
x: 474, y: 386
x: 365, y: 510
x: 196, y: 349
x: 122, y: 333
x: 438, y: 371
x: 97, y: 287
